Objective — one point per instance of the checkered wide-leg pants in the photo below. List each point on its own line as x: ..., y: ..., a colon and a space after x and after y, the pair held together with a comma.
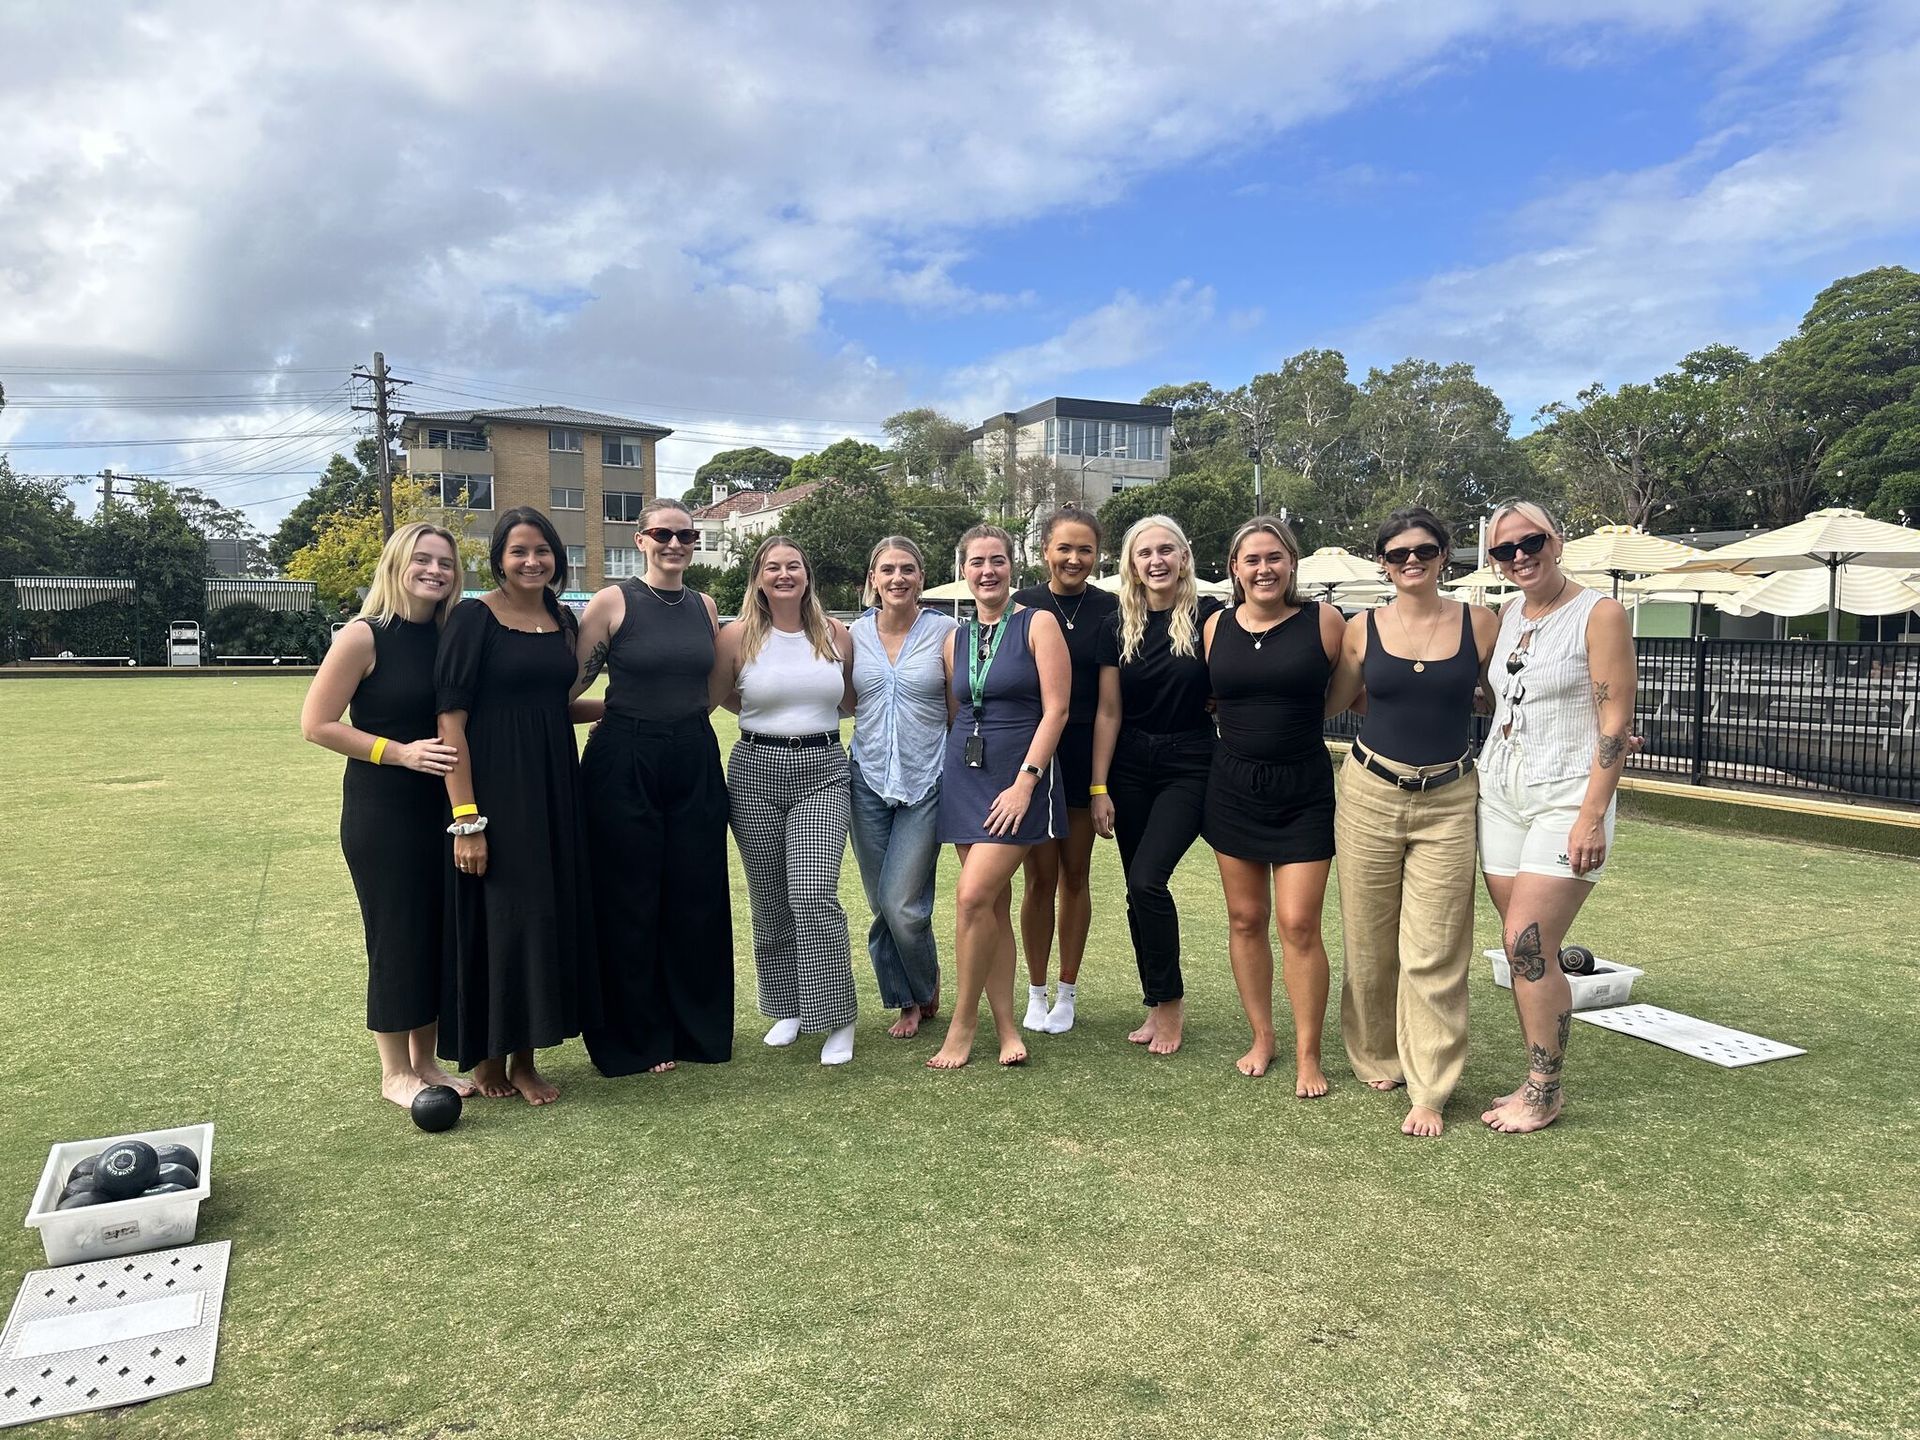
x: 789, y: 810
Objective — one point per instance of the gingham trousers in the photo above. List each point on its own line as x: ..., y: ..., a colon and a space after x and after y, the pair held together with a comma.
x: 789, y: 810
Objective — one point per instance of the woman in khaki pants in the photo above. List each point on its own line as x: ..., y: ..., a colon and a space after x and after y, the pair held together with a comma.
x: 1404, y: 830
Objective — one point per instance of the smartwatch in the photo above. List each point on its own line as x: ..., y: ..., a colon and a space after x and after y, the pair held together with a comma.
x: 1033, y: 770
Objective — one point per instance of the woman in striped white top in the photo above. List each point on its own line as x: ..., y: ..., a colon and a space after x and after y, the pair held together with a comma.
x: 1563, y: 673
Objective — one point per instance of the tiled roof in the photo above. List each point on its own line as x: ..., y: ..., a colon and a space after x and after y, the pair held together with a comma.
x: 564, y: 415
x: 753, y: 502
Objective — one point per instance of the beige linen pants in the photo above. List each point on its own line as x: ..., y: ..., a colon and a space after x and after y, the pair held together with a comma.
x: 1406, y: 906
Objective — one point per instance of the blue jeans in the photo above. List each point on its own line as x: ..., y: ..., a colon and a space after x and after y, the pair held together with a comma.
x: 897, y: 851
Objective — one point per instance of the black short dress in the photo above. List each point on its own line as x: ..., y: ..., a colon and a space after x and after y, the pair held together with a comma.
x: 393, y: 831
x: 1270, y: 789
x: 522, y: 970
x: 657, y: 823
x: 1082, y: 618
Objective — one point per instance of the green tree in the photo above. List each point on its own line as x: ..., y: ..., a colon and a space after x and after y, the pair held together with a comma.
x: 346, y: 545
x: 935, y: 518
x: 750, y: 468
x: 925, y: 444
x: 1627, y: 455
x: 1898, y: 499
x: 1875, y: 461
x: 39, y: 532
x: 849, y: 459
x: 146, y: 535
x: 1200, y: 419
x: 343, y: 485
x: 835, y: 526
x: 1432, y: 435
x: 1209, y: 504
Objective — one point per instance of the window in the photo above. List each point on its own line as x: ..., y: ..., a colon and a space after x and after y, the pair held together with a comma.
x: 622, y: 564
x: 1050, y: 437
x: 564, y: 440
x: 622, y: 450
x: 462, y: 492
x: 561, y: 497
x: 577, y: 562
x: 445, y: 439
x: 624, y: 506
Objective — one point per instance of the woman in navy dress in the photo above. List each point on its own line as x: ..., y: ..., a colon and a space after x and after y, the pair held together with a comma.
x: 1000, y: 792
x: 523, y: 970
x: 393, y: 803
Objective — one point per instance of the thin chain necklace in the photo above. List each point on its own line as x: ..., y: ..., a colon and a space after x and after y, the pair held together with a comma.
x: 1065, y: 618
x: 1260, y: 638
x: 1420, y: 650
x: 1565, y: 580
x: 656, y: 594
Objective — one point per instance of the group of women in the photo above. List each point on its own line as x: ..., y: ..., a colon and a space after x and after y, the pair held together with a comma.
x: 593, y: 898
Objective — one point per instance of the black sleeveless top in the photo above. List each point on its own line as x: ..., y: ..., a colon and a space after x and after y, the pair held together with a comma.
x: 397, y: 699
x: 1271, y: 700
x: 1419, y: 717
x: 661, y: 656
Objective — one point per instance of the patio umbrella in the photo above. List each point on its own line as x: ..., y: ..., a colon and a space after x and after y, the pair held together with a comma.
x: 1802, y: 592
x: 1475, y: 584
x: 1331, y: 567
x: 1220, y: 589
x: 1827, y: 540
x: 1620, y: 550
x: 1685, y: 589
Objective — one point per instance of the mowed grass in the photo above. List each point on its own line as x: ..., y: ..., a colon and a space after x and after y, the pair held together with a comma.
x: 1098, y: 1244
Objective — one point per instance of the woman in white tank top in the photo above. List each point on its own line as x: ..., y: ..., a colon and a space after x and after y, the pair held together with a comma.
x: 787, y: 667
x: 1563, y: 674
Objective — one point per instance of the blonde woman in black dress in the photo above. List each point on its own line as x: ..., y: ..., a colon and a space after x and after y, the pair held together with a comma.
x: 393, y: 804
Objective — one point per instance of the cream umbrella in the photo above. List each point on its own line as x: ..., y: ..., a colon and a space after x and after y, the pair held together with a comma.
x: 1830, y: 540
x: 1474, y: 586
x: 1684, y: 589
x: 1620, y: 550
x: 1802, y: 592
x: 1331, y: 567
x: 1220, y: 589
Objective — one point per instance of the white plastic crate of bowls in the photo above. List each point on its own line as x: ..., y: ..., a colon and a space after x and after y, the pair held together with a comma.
x: 119, y: 1227
x: 1610, y: 984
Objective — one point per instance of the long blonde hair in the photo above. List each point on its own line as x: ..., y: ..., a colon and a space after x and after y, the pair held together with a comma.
x: 387, y: 596
x: 756, y: 618
x: 869, y: 595
x: 1266, y: 525
x: 1183, y: 622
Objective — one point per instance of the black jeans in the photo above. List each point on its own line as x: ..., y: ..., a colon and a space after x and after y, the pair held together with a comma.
x: 1158, y: 784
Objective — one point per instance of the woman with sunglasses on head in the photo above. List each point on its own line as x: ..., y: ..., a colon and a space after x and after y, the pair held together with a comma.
x: 1152, y: 752
x: 787, y: 669
x: 1000, y: 791
x: 393, y: 803
x: 524, y: 972
x: 657, y: 813
x: 1059, y: 872
x: 1269, y: 808
x: 899, y: 726
x: 1563, y: 675
x: 1404, y: 828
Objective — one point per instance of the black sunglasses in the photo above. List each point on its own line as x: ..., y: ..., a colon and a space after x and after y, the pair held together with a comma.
x: 1402, y: 554
x: 660, y: 535
x: 1527, y: 545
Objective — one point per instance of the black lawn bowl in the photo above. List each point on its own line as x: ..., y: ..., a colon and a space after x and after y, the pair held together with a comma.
x: 78, y: 1185
x: 178, y: 1175
x: 85, y: 1167
x: 1576, y: 960
x: 81, y: 1198
x: 436, y: 1108
x: 126, y: 1168
x: 179, y: 1155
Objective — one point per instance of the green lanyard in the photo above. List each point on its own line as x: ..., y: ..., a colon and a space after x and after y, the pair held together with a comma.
x: 978, y: 669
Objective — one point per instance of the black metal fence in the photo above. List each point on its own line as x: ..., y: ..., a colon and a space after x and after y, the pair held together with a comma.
x: 1840, y: 719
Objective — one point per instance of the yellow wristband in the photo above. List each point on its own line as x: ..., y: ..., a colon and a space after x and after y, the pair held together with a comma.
x: 379, y: 749
x: 1096, y: 789
x: 460, y: 812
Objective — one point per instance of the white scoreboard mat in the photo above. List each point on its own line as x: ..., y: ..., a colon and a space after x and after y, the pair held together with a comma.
x: 1702, y: 1039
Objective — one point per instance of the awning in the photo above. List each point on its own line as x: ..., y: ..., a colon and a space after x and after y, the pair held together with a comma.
x: 294, y: 595
x: 70, y: 592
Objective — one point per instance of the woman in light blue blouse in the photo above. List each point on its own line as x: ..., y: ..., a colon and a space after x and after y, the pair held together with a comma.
x: 899, y: 728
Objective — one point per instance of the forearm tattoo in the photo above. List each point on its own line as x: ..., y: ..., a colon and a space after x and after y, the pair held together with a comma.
x: 1528, y: 961
x: 1609, y: 750
x: 1602, y: 692
x: 596, y: 660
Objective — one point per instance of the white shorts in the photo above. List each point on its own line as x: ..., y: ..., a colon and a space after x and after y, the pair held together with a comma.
x: 1523, y: 825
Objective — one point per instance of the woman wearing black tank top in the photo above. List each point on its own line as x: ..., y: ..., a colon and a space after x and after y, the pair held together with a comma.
x: 1269, y: 806
x: 1405, y: 827
x: 657, y: 815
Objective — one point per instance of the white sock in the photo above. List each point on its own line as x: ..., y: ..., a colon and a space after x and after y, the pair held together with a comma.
x: 1036, y: 1008
x: 1060, y: 1018
x: 784, y: 1032
x: 839, y: 1047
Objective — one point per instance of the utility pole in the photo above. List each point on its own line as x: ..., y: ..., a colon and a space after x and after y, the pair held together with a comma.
x: 382, y: 383
x: 106, y: 488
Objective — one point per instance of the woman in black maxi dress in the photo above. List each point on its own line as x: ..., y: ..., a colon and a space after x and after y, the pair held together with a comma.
x: 522, y: 970
x: 393, y: 801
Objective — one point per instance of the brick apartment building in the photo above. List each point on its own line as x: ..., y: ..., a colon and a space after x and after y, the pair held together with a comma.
x: 590, y: 472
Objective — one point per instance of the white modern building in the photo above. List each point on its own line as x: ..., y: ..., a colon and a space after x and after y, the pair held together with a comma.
x: 1100, y: 447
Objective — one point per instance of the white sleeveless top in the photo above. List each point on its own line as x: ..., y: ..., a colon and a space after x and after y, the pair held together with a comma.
x: 1547, y: 704
x: 788, y: 690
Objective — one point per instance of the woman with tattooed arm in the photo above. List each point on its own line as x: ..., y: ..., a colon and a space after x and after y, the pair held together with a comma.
x: 657, y: 814
x: 1563, y: 675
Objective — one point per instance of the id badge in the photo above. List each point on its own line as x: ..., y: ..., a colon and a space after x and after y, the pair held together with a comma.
x: 976, y: 753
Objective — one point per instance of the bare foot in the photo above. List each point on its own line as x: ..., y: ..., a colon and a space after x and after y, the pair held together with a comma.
x: 1170, y: 1020
x: 1012, y: 1052
x: 1256, y: 1060
x: 532, y: 1085
x: 1421, y: 1121
x: 952, y: 1055
x: 908, y: 1025
x: 1384, y: 1085
x: 1309, y: 1080
x: 662, y: 1068
x: 401, y: 1086
x: 434, y: 1075
x: 1148, y: 1027
x: 491, y: 1077
x: 1533, y: 1107
x: 932, y: 1007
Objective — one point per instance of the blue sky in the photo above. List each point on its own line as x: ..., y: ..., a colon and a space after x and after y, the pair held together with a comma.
x: 775, y: 225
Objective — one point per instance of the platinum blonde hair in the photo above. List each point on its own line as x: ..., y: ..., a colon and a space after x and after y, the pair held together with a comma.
x: 1530, y: 510
x: 1183, y: 623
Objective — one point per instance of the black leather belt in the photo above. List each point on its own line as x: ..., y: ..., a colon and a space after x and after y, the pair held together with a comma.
x: 792, y: 742
x: 1433, y: 781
